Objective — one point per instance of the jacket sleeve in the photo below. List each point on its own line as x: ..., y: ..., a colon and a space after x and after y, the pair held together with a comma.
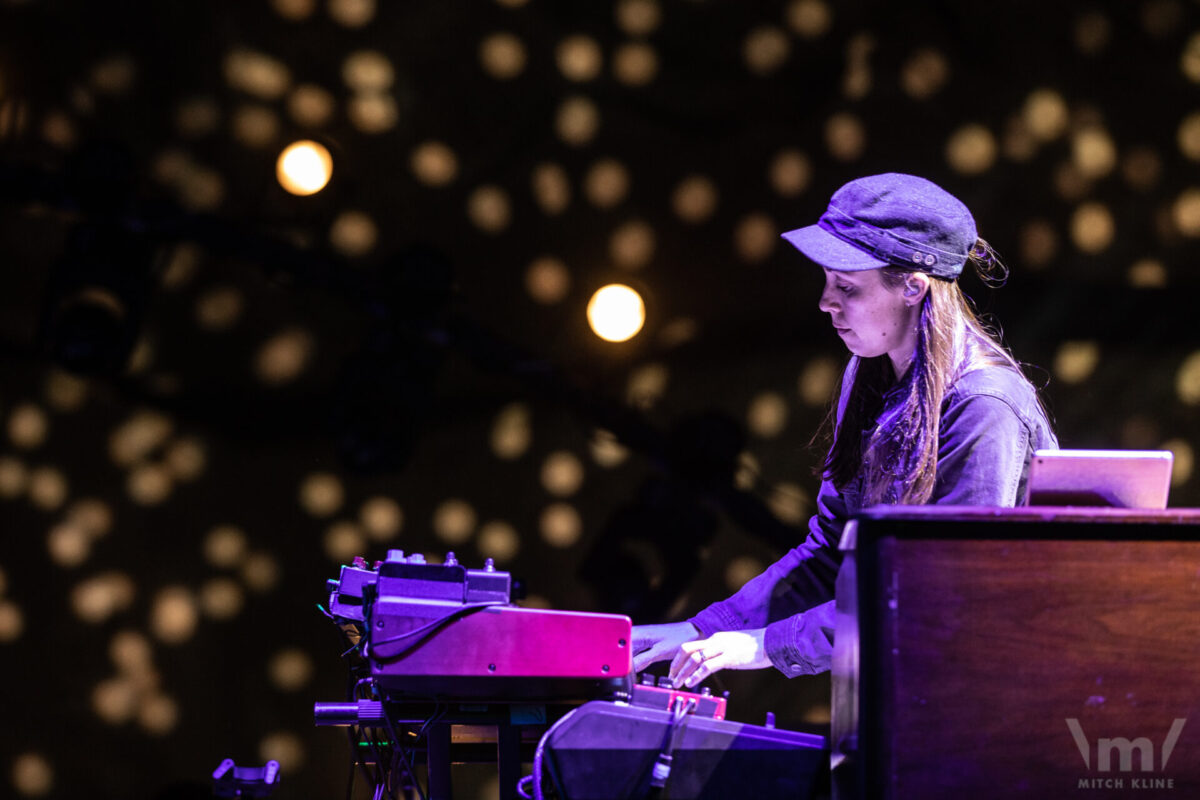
x: 803, y: 578
x: 982, y: 456
x: 983, y: 452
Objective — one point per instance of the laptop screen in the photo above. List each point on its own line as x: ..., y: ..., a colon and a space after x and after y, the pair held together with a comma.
x: 1116, y: 478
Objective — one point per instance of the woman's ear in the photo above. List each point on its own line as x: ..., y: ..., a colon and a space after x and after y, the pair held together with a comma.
x: 916, y: 285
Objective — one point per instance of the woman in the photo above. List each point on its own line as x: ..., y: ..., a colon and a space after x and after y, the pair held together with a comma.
x: 931, y: 409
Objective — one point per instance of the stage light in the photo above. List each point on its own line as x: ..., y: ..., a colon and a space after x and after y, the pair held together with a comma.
x: 547, y: 280
x: 809, y: 18
x: 790, y: 503
x: 845, y: 136
x: 635, y: 64
x: 561, y: 525
x: 321, y: 494
x: 562, y: 473
x: 310, y: 105
x: 304, y: 167
x: 631, y: 245
x: 551, y: 188
x: 647, y: 385
x: 816, y: 382
x: 224, y: 546
x: 498, y: 540
x: 185, y: 459
x: 606, y: 451
x: 767, y: 415
x: 1076, y: 361
x: 741, y: 570
x: 512, y: 432
x: 579, y: 58
x: 381, y: 518
x: 790, y: 172
x: 489, y: 209
x: 434, y: 163
x: 353, y: 234
x: 638, y: 17
x: 616, y: 313
x: 765, y: 50
x: 755, y: 237
x: 695, y: 199
x: 606, y: 183
x: 343, y: 541
x: 577, y: 120
x: 454, y: 521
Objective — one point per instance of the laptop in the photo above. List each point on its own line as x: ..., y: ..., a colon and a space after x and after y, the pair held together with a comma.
x: 1115, y: 478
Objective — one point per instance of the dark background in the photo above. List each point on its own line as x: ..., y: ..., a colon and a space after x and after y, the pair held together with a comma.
x: 171, y: 511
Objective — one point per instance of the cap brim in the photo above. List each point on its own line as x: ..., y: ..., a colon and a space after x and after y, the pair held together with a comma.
x: 831, y: 252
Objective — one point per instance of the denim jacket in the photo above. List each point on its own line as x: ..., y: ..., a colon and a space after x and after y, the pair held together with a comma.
x: 991, y: 422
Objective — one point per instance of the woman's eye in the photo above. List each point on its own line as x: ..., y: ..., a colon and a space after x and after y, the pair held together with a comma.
x: 846, y: 290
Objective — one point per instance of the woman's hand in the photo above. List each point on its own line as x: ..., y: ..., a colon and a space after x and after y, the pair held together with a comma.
x: 723, y: 650
x: 653, y: 643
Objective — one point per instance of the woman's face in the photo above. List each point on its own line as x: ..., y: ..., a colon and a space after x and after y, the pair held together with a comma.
x: 871, y: 318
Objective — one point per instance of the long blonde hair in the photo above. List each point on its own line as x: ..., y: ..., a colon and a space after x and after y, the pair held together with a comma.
x: 898, y: 454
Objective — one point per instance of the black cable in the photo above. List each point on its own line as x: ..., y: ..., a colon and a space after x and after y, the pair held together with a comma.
x: 426, y: 629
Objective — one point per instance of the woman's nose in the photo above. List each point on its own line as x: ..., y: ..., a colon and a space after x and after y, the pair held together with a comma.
x: 826, y: 303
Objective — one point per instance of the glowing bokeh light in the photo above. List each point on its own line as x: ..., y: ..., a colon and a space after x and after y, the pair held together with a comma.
x: 616, y: 313
x: 454, y: 521
x: 551, y: 188
x: 845, y: 136
x: 789, y: 502
x: 304, y: 167
x: 32, y: 775
x: 1076, y: 361
x: 631, y: 245
x: 343, y: 541
x: 638, y: 17
x: 381, y: 518
x: 561, y: 525
x: 579, y: 58
x: 809, y: 18
x: 353, y: 234
x: 321, y: 494
x: 606, y: 450
x: 768, y: 415
x: 577, y: 120
x: 790, y: 172
x: 765, y: 50
x: 512, y: 431
x: 284, y: 356
x: 647, y: 384
x: 498, y: 540
x: 741, y: 570
x: 755, y: 237
x: 290, y: 669
x: 562, y: 473
x: 434, y: 163
x: 635, y: 64
x: 547, y: 280
x: 606, y: 183
x: 174, y: 615
x: 489, y: 209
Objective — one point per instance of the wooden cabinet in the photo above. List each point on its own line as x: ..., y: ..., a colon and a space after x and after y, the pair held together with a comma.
x: 1048, y: 652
